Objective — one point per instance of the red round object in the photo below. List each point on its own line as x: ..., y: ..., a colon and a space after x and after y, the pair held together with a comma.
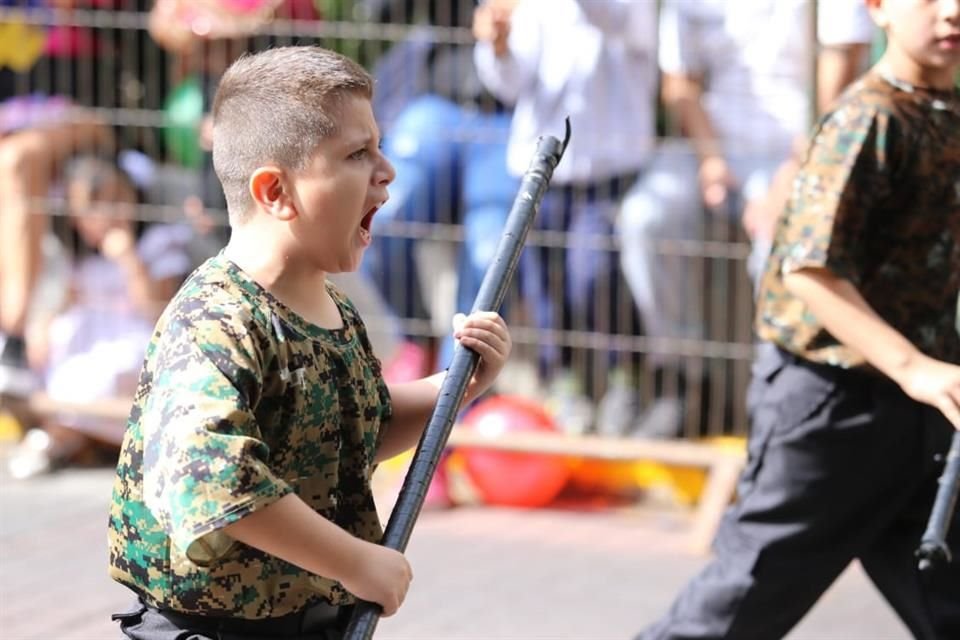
x: 508, y: 478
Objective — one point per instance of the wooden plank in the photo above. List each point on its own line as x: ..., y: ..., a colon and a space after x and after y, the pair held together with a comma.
x: 680, y: 452
x: 723, y: 465
x: 113, y: 408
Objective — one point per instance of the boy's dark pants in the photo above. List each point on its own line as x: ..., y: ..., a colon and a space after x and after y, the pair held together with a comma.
x: 841, y: 466
x: 322, y: 622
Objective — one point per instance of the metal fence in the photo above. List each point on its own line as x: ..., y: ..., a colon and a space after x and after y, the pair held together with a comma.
x: 103, y: 56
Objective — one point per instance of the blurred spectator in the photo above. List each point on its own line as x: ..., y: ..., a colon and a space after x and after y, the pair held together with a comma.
x: 845, y: 33
x: 593, y: 62
x: 737, y: 79
x: 29, y: 160
x: 446, y: 136
x: 203, y: 38
x: 181, y: 26
x: 48, y: 70
x: 121, y: 274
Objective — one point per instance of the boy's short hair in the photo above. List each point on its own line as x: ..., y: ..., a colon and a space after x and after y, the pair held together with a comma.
x: 275, y: 107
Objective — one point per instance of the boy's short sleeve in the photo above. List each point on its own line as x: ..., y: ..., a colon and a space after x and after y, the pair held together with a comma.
x: 845, y: 176
x: 205, y: 464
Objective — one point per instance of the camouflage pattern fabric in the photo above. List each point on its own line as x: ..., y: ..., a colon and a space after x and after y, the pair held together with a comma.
x: 240, y: 402
x: 877, y: 201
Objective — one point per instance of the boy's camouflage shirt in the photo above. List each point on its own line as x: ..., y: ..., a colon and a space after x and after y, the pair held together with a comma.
x: 240, y: 402
x: 877, y: 201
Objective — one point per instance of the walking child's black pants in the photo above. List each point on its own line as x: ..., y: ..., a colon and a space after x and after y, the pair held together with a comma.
x: 842, y: 465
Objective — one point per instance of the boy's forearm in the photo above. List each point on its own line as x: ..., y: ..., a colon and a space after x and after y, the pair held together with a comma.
x: 413, y: 403
x: 290, y: 530
x: 849, y: 318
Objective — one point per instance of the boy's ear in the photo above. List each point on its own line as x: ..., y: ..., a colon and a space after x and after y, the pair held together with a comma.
x: 268, y: 188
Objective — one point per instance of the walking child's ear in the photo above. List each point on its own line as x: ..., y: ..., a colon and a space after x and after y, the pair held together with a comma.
x: 268, y: 188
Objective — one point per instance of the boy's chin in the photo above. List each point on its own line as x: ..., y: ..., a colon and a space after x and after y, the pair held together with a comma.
x: 349, y: 266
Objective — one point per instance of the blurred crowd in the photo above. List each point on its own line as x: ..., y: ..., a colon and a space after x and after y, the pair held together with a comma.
x: 688, y: 119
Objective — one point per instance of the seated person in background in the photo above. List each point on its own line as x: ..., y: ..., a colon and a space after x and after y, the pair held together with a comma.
x: 446, y: 136
x: 596, y: 63
x: 53, y: 68
x: 737, y: 78
x: 37, y: 136
x: 121, y: 273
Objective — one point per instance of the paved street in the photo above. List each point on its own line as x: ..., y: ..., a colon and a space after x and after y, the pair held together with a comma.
x: 481, y: 573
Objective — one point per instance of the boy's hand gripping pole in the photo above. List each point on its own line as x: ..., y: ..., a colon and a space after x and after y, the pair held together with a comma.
x: 933, y: 545
x: 464, y: 364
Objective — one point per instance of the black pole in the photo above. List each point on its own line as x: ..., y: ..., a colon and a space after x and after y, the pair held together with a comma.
x: 489, y: 298
x: 933, y: 545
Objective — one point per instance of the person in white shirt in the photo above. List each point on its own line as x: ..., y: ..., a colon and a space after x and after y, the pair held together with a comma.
x: 738, y: 79
x: 594, y: 62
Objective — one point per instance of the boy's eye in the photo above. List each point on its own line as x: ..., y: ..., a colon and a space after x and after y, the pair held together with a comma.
x: 359, y: 154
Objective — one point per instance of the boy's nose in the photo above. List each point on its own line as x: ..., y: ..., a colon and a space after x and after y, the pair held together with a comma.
x: 387, y: 173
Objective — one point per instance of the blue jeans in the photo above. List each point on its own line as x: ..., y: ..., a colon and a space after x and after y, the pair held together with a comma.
x: 451, y: 168
x: 665, y: 206
x: 574, y: 287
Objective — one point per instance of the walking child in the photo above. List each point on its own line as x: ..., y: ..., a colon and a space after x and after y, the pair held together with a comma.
x: 242, y: 506
x: 861, y: 391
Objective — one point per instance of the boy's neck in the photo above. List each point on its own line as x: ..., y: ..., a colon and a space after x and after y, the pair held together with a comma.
x: 902, y: 67
x: 298, y: 286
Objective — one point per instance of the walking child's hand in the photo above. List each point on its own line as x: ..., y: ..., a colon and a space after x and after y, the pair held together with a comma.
x: 486, y: 333
x: 380, y: 575
x: 936, y: 383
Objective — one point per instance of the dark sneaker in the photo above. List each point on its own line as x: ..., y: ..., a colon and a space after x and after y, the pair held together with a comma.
x: 16, y: 378
x: 662, y: 420
x: 567, y: 404
x: 619, y: 406
x: 32, y: 456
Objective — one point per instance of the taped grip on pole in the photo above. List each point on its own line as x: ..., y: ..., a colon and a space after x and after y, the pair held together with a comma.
x: 492, y: 292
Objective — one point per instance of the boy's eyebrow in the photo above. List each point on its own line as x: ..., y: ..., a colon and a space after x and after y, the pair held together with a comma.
x: 363, y: 139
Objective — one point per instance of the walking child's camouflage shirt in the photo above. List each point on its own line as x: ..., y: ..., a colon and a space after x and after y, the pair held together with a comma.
x: 240, y: 402
x: 877, y: 202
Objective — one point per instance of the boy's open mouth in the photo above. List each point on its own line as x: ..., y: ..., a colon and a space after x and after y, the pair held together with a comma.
x: 365, y: 223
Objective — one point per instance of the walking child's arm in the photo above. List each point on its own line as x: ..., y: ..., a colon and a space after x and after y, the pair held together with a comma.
x: 290, y: 530
x: 849, y: 318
